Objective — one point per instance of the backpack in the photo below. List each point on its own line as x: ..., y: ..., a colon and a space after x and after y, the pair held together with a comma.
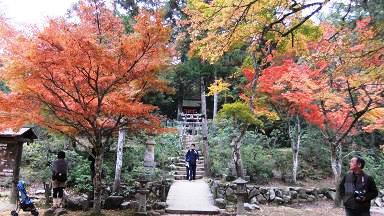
x: 60, y: 176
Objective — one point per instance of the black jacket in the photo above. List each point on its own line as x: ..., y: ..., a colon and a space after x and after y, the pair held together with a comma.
x: 192, y: 156
x: 352, y: 182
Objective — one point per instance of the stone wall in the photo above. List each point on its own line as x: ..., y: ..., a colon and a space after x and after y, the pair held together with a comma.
x: 224, y: 193
x: 156, y: 198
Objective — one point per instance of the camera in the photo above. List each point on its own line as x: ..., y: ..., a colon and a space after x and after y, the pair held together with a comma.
x: 359, y: 195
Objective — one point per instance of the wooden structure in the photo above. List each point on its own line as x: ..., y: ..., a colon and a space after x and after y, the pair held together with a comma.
x: 191, y: 106
x: 11, y: 147
x: 191, y: 123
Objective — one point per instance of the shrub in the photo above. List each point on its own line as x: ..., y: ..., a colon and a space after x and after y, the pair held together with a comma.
x: 374, y: 166
x: 258, y: 162
x: 167, y: 145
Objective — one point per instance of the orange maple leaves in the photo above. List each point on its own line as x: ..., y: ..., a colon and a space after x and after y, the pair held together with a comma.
x: 336, y: 85
x: 85, y: 74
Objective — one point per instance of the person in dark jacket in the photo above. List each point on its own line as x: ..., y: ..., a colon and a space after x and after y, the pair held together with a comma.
x: 357, y: 189
x: 59, y: 177
x: 191, y: 157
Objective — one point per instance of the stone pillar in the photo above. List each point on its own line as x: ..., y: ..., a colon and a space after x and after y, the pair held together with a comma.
x: 241, y: 192
x: 143, y: 191
x: 149, y: 155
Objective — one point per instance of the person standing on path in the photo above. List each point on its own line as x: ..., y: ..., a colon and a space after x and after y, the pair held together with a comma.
x: 59, y: 177
x: 357, y: 189
x: 191, y: 157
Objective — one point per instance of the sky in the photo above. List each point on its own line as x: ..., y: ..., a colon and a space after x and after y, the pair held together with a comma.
x: 26, y: 12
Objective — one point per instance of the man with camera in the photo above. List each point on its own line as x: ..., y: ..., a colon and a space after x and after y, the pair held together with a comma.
x: 357, y: 189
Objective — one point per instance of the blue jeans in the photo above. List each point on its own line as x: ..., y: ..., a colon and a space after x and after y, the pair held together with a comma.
x: 357, y: 212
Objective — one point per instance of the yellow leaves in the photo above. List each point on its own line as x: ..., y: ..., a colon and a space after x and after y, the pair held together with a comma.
x: 220, y: 25
x: 217, y: 87
x: 374, y: 119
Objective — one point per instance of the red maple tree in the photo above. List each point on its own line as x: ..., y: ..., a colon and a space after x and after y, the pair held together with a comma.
x: 84, y: 77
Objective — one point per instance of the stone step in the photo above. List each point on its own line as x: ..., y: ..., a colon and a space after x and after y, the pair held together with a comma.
x: 198, y: 162
x: 184, y: 177
x: 182, y: 164
x: 180, y: 169
x: 195, y: 197
x: 183, y: 172
x: 178, y: 212
x: 184, y: 153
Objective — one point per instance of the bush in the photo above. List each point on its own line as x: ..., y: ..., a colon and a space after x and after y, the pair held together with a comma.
x: 36, y: 157
x: 374, y: 166
x: 258, y: 162
x: 167, y: 145
x: 79, y: 177
x: 314, y: 155
x: 220, y: 151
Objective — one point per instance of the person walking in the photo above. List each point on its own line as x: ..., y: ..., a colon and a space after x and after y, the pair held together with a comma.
x: 191, y: 158
x: 59, y: 177
x: 357, y: 189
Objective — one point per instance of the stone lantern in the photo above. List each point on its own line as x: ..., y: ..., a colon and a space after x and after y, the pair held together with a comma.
x: 149, y: 155
x: 241, y: 191
x: 143, y: 191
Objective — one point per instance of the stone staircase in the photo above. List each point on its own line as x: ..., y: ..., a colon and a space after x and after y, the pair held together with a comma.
x: 190, y: 197
x: 181, y: 171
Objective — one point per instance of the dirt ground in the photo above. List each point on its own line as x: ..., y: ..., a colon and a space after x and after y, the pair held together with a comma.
x: 323, y: 208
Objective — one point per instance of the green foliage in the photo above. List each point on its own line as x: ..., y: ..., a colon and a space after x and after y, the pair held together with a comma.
x: 220, y: 151
x: 37, y: 155
x: 166, y: 104
x: 266, y: 141
x: 258, y: 162
x: 167, y: 145
x: 314, y: 155
x: 79, y: 173
x: 374, y: 167
x: 283, y: 161
x: 35, y: 158
x: 4, y: 87
x: 240, y: 113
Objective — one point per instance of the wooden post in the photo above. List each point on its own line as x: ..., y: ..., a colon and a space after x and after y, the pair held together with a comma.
x: 11, y: 148
x: 16, y: 171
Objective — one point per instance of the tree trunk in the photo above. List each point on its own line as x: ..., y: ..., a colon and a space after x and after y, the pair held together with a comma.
x: 204, y: 129
x: 215, y: 102
x: 119, y: 159
x: 97, y: 180
x: 336, y: 164
x: 47, y: 192
x: 236, y: 152
x: 179, y: 109
x: 336, y: 161
x: 295, y: 135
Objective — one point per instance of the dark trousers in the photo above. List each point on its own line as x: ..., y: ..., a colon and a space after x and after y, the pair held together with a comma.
x: 58, y: 192
x: 357, y: 212
x: 191, y: 172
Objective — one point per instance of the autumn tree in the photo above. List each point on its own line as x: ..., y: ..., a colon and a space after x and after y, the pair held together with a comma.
x: 241, y: 117
x: 215, y: 88
x: 219, y: 26
x: 291, y: 94
x: 84, y: 77
x: 345, y: 82
x: 266, y: 27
